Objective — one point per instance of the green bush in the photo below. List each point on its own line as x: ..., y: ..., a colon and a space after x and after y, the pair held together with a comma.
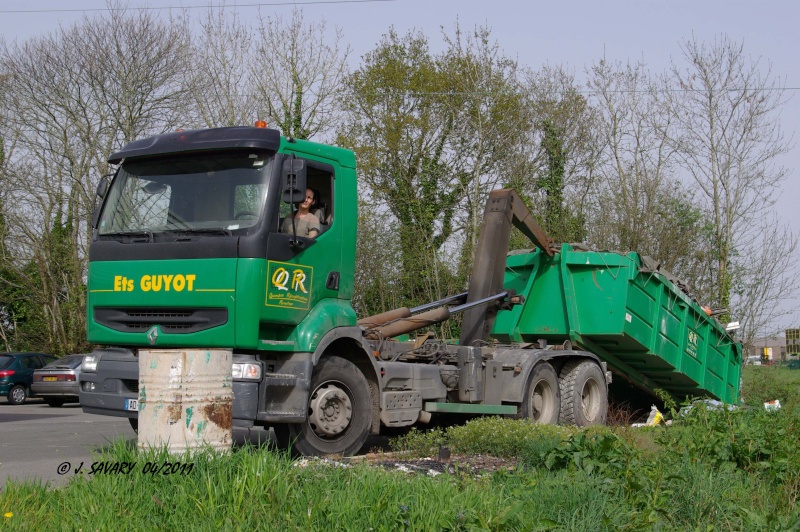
x: 497, y: 436
x: 756, y: 441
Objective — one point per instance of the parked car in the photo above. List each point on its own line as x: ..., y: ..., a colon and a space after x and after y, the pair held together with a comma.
x: 57, y: 383
x: 16, y: 374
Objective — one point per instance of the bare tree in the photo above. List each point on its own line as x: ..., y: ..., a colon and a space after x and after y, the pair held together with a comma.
x: 223, y: 71
x: 640, y: 204
x: 299, y: 77
x: 766, y: 282
x: 72, y: 97
x: 728, y: 138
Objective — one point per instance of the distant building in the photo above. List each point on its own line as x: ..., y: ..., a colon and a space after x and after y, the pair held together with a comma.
x: 793, y: 341
x: 777, y: 348
x: 773, y: 346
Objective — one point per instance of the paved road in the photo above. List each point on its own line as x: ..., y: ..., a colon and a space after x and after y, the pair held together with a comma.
x: 35, y: 439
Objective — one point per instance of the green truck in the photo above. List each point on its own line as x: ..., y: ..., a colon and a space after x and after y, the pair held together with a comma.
x: 187, y: 252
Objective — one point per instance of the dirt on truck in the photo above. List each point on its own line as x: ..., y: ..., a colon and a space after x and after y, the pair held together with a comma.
x: 187, y: 252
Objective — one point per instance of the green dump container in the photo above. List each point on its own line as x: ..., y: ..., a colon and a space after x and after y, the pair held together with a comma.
x: 632, y: 316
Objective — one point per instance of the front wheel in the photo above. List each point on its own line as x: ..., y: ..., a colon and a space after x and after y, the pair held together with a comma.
x: 542, y: 396
x: 584, y: 394
x: 339, y: 411
x: 17, y: 394
x: 55, y: 403
x: 134, y: 424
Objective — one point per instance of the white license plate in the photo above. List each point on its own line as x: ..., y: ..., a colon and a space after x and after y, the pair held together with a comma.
x: 132, y: 404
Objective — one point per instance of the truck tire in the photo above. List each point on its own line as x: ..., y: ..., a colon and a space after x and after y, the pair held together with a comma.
x: 55, y: 402
x: 584, y: 394
x: 134, y: 421
x: 542, y: 401
x: 17, y: 394
x: 339, y: 411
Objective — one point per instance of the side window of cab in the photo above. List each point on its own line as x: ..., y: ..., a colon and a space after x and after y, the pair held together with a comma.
x: 320, y: 180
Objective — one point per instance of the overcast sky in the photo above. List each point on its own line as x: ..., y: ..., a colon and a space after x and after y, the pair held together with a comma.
x: 574, y: 33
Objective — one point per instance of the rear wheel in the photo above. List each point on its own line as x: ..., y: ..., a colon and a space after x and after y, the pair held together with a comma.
x: 55, y: 403
x: 542, y: 396
x: 584, y: 394
x: 134, y: 424
x: 17, y: 394
x: 339, y: 411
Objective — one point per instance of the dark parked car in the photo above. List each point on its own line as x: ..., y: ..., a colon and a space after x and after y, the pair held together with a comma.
x: 16, y: 374
x: 57, y: 383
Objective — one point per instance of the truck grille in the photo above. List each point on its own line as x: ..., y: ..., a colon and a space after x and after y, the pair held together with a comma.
x: 170, y: 320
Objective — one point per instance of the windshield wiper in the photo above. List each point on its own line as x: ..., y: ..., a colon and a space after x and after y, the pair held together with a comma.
x: 201, y: 231
x: 133, y: 235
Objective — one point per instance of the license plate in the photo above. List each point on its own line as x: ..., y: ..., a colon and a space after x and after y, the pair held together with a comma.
x: 49, y: 379
x: 132, y: 404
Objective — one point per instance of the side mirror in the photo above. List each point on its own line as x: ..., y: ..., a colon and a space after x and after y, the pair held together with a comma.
x: 294, y: 176
x: 102, y: 187
x: 102, y: 190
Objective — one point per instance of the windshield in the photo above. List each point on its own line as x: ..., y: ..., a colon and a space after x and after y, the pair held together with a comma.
x: 193, y: 192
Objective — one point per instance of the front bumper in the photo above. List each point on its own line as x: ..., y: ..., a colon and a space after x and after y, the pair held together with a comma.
x: 116, y: 379
x: 55, y: 389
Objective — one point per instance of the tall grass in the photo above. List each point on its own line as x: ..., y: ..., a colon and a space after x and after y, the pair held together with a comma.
x: 263, y: 490
x: 767, y: 383
x: 710, y: 470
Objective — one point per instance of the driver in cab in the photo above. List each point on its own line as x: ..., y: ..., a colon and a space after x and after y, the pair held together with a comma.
x: 307, y: 224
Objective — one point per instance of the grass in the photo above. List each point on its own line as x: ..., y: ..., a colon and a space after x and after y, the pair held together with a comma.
x: 766, y: 383
x: 710, y: 470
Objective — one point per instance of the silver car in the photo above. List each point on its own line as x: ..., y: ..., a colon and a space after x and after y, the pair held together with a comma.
x: 58, y: 383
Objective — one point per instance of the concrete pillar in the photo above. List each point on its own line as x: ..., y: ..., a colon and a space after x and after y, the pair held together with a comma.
x: 185, y: 399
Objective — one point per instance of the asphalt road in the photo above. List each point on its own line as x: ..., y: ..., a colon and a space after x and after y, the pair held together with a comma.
x: 36, y: 439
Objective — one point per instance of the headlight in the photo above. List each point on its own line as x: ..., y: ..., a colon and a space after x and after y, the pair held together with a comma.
x: 90, y: 363
x: 247, y: 371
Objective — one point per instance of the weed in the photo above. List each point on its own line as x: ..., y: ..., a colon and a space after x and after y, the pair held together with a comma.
x: 621, y: 414
x: 713, y: 469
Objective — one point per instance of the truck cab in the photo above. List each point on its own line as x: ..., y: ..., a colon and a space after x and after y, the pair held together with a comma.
x: 187, y: 251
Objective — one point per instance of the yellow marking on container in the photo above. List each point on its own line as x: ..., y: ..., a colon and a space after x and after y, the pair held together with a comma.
x: 93, y: 291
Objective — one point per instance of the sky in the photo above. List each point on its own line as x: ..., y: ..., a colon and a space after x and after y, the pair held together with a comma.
x: 574, y: 33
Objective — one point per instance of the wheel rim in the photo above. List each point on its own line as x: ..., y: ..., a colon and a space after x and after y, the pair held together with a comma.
x: 590, y: 400
x: 543, y: 401
x: 18, y: 394
x: 330, y: 410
